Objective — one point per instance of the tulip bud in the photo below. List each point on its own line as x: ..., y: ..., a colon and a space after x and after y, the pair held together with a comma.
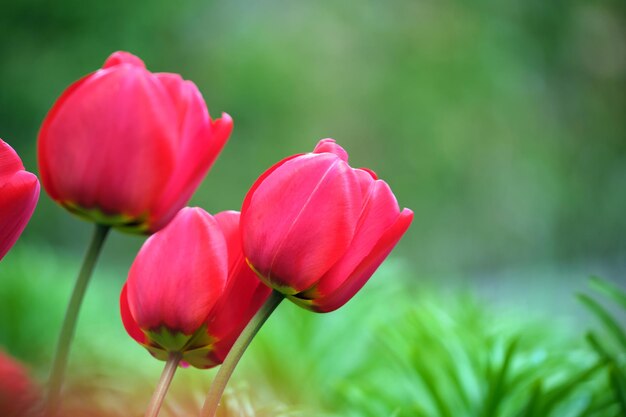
x: 18, y: 394
x: 19, y: 192
x: 316, y: 229
x: 190, y: 291
x: 127, y: 148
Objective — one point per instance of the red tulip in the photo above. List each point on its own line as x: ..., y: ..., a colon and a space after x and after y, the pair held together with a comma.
x: 18, y: 393
x: 190, y: 290
x: 19, y: 192
x: 126, y: 147
x: 316, y: 229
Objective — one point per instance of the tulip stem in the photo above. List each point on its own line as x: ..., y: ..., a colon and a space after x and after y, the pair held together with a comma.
x: 71, y: 316
x: 164, y: 383
x: 226, y: 370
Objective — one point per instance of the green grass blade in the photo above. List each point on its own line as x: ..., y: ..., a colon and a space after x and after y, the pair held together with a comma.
x: 618, y: 383
x: 611, y: 291
x: 431, y: 385
x: 497, y: 383
x: 530, y: 408
x: 560, y: 393
x: 605, y: 317
x: 595, y: 343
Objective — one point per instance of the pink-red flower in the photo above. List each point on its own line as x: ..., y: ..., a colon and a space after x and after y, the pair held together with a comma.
x: 126, y: 147
x: 18, y: 394
x: 190, y: 290
x: 316, y: 229
x: 19, y: 192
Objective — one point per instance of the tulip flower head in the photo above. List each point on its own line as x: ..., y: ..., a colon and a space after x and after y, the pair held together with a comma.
x: 316, y: 229
x: 18, y: 394
x: 190, y: 290
x: 19, y: 192
x: 127, y: 148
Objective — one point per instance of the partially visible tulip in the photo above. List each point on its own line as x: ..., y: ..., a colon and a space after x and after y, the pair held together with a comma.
x: 316, y: 229
x: 127, y: 148
x: 18, y: 394
x: 19, y: 192
x: 190, y: 290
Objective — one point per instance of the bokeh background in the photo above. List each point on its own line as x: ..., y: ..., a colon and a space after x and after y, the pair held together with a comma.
x: 501, y: 124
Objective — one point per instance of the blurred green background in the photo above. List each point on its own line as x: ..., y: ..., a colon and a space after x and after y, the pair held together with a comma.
x: 500, y: 123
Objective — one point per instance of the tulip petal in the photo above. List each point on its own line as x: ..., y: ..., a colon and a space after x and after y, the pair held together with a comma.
x: 302, y: 219
x: 10, y: 162
x: 241, y: 316
x: 228, y: 222
x: 258, y: 182
x: 330, y: 146
x: 121, y: 57
x: 179, y: 274
x: 107, y: 142
x: 366, y: 180
x: 43, y: 155
x: 19, y: 195
x: 243, y: 297
x: 379, y: 213
x: 244, y: 293
x: 200, y: 142
x: 364, y: 271
x: 128, y: 321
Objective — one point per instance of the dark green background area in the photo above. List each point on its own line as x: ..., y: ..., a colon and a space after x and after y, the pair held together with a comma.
x: 500, y: 123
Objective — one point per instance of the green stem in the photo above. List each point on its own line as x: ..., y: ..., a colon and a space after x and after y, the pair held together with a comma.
x: 71, y: 316
x: 226, y: 370
x: 164, y: 383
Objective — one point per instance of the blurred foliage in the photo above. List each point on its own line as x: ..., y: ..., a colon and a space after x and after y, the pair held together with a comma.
x: 500, y: 123
x: 391, y: 351
x: 610, y: 346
